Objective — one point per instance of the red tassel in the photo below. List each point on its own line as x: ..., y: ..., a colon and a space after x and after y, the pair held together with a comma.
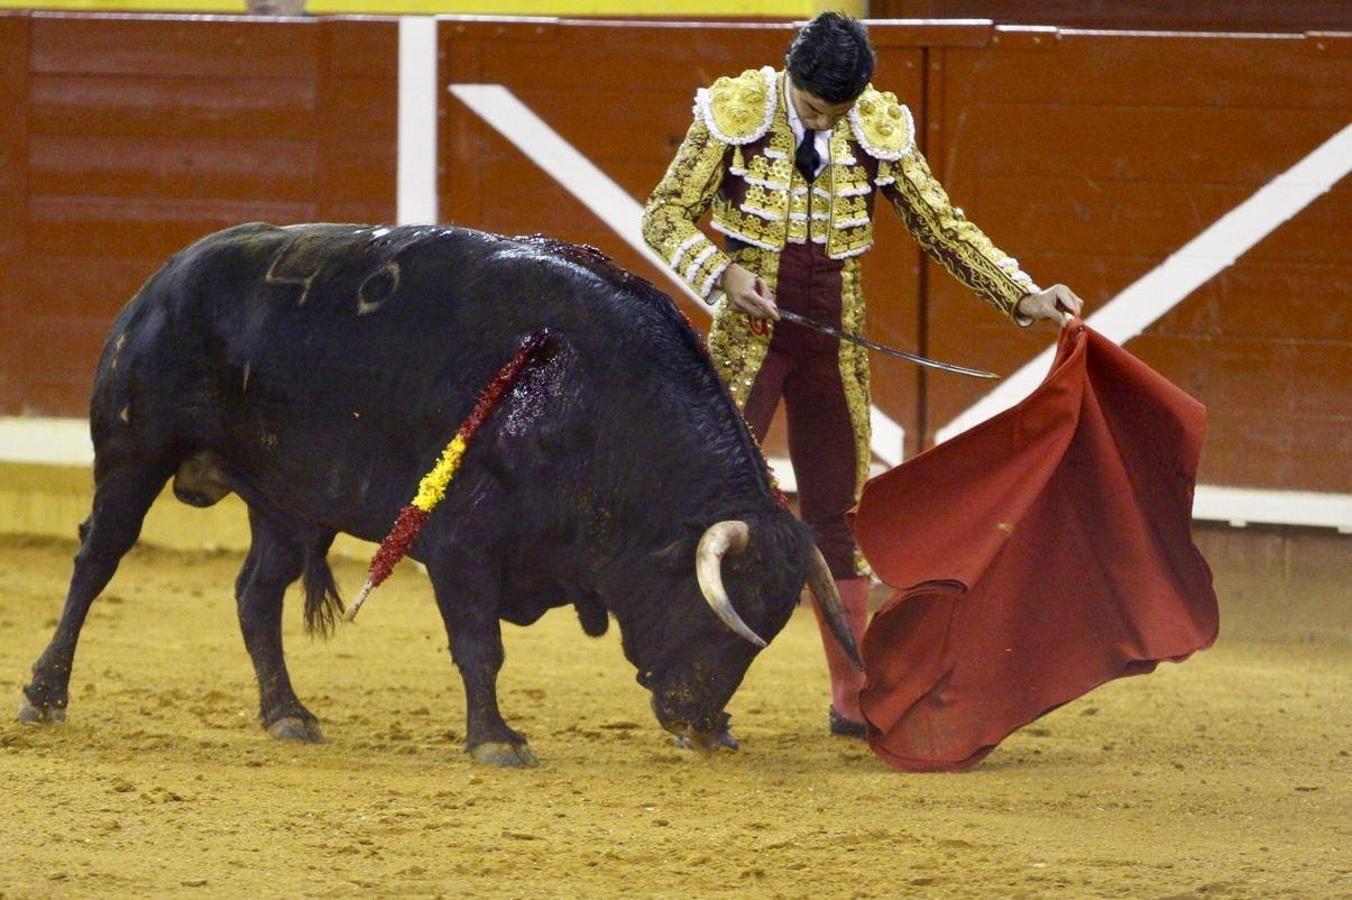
x: 411, y: 519
x: 396, y: 544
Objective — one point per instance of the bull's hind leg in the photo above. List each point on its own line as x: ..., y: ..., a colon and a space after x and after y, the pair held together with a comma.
x: 276, y: 559
x: 123, y: 493
x: 476, y: 648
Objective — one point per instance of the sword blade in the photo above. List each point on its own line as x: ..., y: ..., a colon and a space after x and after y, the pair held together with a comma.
x: 883, y: 348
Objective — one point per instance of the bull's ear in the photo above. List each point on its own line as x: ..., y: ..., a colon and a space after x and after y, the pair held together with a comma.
x: 678, y: 556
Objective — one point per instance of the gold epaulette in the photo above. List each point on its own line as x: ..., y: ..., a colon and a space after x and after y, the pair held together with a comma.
x: 881, y: 125
x: 739, y: 110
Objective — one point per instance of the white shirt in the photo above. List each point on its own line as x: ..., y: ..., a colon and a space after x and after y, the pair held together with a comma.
x: 821, y: 139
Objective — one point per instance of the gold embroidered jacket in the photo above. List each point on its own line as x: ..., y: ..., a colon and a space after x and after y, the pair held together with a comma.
x: 737, y: 158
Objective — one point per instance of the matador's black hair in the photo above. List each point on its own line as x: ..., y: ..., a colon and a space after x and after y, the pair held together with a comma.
x: 831, y: 58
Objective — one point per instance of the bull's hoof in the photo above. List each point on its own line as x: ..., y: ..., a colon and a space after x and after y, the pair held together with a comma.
x: 843, y: 727
x: 294, y: 728
x: 494, y: 753
x: 40, y: 715
x: 708, y: 743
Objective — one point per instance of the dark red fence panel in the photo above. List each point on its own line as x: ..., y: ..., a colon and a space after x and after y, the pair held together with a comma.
x: 14, y: 307
x: 1094, y: 156
x: 1155, y: 15
x: 147, y: 132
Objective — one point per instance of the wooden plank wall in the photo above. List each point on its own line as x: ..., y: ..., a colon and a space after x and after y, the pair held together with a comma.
x: 13, y: 203
x: 1092, y: 158
x: 145, y: 133
x: 1156, y: 15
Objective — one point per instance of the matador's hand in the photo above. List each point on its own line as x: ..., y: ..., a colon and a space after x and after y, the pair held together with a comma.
x: 749, y: 294
x: 1057, y: 303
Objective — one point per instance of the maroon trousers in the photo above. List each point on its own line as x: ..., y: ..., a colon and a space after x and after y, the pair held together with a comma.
x: 803, y: 367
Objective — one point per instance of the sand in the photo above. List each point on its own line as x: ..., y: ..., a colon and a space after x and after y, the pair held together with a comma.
x: 1227, y: 776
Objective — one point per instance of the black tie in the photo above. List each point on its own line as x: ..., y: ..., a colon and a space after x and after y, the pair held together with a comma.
x: 806, y: 158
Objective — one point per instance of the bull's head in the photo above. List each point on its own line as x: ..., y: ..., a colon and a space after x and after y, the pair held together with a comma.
x: 750, y: 576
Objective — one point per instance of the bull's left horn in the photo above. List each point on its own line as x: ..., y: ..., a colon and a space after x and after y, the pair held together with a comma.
x: 718, y: 540
x: 827, y: 598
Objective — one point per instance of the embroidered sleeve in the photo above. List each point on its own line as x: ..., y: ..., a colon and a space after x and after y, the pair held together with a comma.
x: 676, y: 204
x: 945, y: 233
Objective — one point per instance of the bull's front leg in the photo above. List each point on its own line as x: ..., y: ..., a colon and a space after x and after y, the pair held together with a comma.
x: 476, y: 648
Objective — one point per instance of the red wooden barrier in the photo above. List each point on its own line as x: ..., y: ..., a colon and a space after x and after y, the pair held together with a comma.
x: 1155, y: 15
x: 135, y: 135
x: 1091, y: 156
x: 1094, y: 156
x: 14, y: 306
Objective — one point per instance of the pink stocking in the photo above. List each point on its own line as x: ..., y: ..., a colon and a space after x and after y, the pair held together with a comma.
x: 846, y: 680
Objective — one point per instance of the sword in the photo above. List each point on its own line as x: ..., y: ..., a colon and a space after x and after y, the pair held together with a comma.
x: 882, y: 348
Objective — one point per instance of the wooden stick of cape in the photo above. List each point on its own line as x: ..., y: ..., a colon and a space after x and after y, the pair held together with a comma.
x: 432, y: 488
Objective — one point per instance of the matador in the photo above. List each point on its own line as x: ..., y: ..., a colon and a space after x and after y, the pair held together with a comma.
x: 791, y: 162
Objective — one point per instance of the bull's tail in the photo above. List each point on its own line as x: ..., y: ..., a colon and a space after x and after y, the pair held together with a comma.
x: 323, y: 605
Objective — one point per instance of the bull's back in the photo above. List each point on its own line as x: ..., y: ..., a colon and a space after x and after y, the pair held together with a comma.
x: 370, y: 311
x: 328, y: 364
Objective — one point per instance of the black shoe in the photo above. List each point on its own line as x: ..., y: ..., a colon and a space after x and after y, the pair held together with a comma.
x: 844, y: 727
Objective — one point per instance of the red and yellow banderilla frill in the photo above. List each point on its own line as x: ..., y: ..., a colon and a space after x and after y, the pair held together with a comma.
x: 432, y: 488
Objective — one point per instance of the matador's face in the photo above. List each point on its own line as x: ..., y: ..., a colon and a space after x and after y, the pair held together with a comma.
x: 814, y: 112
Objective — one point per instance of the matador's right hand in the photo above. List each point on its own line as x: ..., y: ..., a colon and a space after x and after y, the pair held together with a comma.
x: 748, y: 294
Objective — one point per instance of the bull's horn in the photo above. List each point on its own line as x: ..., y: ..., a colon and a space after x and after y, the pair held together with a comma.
x: 720, y: 538
x: 827, y: 598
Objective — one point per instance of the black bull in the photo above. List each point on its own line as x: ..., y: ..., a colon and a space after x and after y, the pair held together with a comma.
x: 317, y: 371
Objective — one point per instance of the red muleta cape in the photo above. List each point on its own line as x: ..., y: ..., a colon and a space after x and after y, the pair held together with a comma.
x: 1036, y: 556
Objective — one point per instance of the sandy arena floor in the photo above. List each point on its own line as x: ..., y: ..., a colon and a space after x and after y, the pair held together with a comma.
x: 1227, y: 776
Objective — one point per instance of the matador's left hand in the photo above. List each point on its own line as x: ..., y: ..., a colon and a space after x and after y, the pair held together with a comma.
x: 1057, y: 303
